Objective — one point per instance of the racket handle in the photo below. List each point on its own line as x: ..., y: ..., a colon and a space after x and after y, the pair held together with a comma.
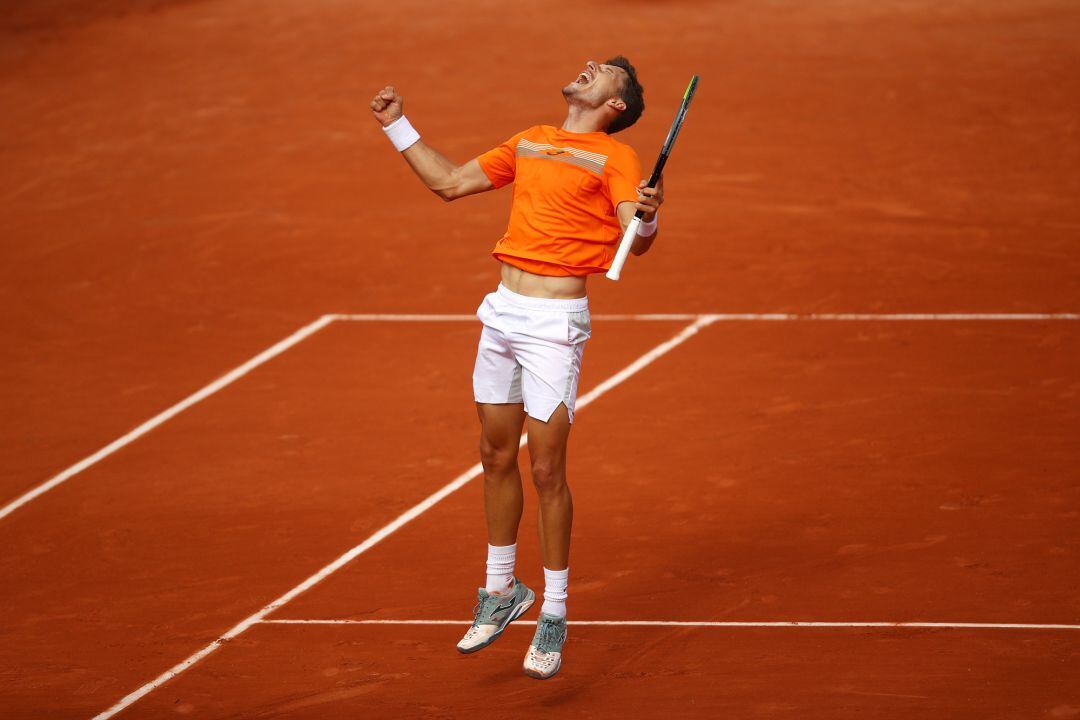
x: 625, y: 244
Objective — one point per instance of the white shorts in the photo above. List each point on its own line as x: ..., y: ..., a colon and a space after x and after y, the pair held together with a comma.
x: 530, y: 351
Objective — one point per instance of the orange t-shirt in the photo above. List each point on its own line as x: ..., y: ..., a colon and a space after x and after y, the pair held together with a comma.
x: 566, y: 188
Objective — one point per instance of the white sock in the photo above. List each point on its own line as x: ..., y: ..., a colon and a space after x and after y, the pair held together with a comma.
x: 500, y: 567
x: 555, y: 592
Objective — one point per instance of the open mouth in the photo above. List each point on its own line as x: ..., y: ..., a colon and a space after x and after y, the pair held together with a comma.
x: 583, y: 79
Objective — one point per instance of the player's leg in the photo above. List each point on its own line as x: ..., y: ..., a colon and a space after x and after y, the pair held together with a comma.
x: 497, y: 378
x: 547, y: 453
x: 497, y: 391
x: 551, y: 369
x: 504, y: 598
x: 500, y: 436
x: 549, y: 433
x: 550, y: 348
x: 547, y: 456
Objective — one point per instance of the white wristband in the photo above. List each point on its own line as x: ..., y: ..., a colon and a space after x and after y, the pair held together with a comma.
x: 401, y: 133
x: 647, y: 229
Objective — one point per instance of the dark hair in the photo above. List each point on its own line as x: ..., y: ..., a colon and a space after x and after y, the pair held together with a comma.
x: 632, y: 94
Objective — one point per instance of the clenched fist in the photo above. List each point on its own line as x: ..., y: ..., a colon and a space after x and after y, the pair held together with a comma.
x: 386, y: 105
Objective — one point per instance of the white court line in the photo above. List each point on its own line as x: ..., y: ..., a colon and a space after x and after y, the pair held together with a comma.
x: 165, y: 415
x: 387, y: 530
x: 403, y: 317
x: 725, y: 317
x: 325, y: 320
x: 707, y: 624
x: 904, y: 316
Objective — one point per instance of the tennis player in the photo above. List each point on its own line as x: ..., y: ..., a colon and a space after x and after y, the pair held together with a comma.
x: 576, y: 188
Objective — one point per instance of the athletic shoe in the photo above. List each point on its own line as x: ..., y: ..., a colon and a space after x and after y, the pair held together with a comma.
x: 545, y: 654
x: 493, y: 613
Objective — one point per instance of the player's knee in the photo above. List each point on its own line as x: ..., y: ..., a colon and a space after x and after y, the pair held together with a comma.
x: 497, y: 459
x: 548, y: 475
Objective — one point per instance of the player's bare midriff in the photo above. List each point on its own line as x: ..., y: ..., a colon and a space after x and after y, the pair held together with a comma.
x: 542, y: 286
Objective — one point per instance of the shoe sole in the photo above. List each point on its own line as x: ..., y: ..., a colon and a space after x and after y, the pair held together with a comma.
x: 534, y: 674
x: 518, y: 612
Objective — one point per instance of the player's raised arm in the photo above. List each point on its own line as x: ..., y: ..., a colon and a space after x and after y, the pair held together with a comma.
x: 443, y: 177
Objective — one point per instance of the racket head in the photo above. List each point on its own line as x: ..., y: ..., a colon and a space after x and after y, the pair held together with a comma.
x: 628, y: 236
x: 676, y: 125
x: 680, y: 116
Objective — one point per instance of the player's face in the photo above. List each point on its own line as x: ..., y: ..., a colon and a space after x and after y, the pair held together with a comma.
x: 596, y: 84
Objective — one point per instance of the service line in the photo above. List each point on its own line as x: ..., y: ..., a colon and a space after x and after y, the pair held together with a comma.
x: 311, y: 328
x: 404, y: 519
x: 745, y: 317
x: 709, y: 624
x: 325, y: 320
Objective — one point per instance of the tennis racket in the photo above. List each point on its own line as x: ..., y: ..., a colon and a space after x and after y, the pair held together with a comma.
x: 631, y: 229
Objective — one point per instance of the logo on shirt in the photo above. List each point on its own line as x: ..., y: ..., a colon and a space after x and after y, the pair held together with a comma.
x: 593, y: 162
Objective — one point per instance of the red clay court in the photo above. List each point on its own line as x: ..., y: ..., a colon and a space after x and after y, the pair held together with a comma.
x: 826, y: 459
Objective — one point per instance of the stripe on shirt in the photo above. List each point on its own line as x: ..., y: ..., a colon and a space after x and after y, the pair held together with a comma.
x: 593, y: 162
